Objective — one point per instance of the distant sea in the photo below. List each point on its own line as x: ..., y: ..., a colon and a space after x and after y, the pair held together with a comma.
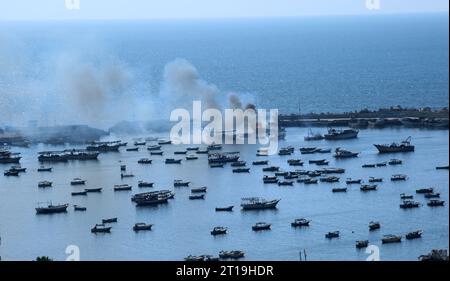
x: 306, y: 64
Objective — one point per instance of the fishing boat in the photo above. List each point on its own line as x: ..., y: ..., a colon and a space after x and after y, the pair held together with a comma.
x: 332, y: 234
x: 52, y: 156
x: 219, y: 230
x: 195, y: 197
x: 194, y: 258
x: 414, y: 234
x: 295, y: 162
x: 51, y: 209
x: 374, y: 225
x: 284, y: 152
x: 77, y: 181
x: 332, y: 171
x: 123, y: 168
x: 374, y: 179
x: 199, y: 189
x: 45, y: 184
x: 353, y: 181
x: 368, y: 166
x: 142, y: 226
x: 137, y: 143
x: 225, y: 157
x: 236, y: 254
x: 257, y: 203
x: 261, y: 226
x: 214, y: 147
x: 404, y: 196
x: 79, y: 208
x: 291, y: 176
x: 79, y: 193
x: 395, y: 162
x: 435, y: 203
x: 329, y: 179
x: 270, y: 179
x: 442, y: 167
x: 399, y: 177
x: 340, y: 153
x: 145, y: 161
x: 271, y: 169
x: 224, y: 209
x: 164, y: 142
x: 180, y: 152
x: 317, y: 161
x: 105, y: 146
x: 323, y: 150
x: 145, y: 184
x: 241, y: 170
x: 122, y: 187
x: 177, y: 183
x: 308, y: 150
x: 335, y: 134
x: 339, y: 189
x: 93, y: 190
x: 368, y: 187
x: 381, y: 164
x: 126, y: 175
x: 238, y: 164
x: 313, y: 136
x: 202, y: 151
x: 216, y: 165
x: 404, y: 146
x: 80, y: 154
x: 362, y: 244
x: 153, y: 199
x: 44, y: 169
x: 425, y: 190
x: 432, y: 195
x: 192, y: 148
x: 101, y: 228
x: 191, y: 157
x: 262, y: 152
x: 173, y: 161
x: 8, y: 157
x: 153, y: 147
x: 111, y: 220
x: 18, y: 168
x: 435, y: 255
x: 160, y: 153
x: 9, y: 173
x: 281, y: 173
x: 409, y: 204
x: 390, y: 238
x: 283, y: 183
x: 300, y: 222
x: 310, y: 181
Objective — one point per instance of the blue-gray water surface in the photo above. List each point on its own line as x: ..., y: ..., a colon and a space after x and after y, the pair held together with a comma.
x: 182, y: 226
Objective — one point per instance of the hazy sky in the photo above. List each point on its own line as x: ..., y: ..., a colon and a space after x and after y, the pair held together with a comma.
x: 149, y: 9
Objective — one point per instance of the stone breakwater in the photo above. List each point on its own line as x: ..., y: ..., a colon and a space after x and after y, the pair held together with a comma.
x: 381, y: 118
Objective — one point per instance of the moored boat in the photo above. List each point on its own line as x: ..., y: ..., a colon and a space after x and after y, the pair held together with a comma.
x: 145, y: 161
x: 404, y: 146
x: 338, y: 189
x: 235, y: 254
x: 395, y: 162
x: 399, y: 177
x: 145, y: 184
x: 368, y: 187
x: 256, y: 203
x: 122, y: 187
x: 173, y: 161
x: 335, y: 134
x: 300, y: 222
x: 219, y: 230
x: 177, y: 183
x: 199, y: 189
x: 241, y: 170
x: 374, y: 225
x: 91, y: 190
x: 262, y: 162
x: 425, y: 190
x: 111, y: 220
x: 101, y: 228
x: 44, y: 169
x: 52, y: 209
x: 142, y: 226
x: 79, y: 208
x: 332, y: 234
x: 409, y: 204
x: 224, y: 209
x: 435, y: 203
x: 353, y: 181
x: 362, y: 244
x: 79, y: 193
x: 196, y: 197
x: 390, y: 238
x: 77, y: 181
x: 45, y: 184
x: 414, y: 234
x: 340, y: 153
x: 261, y: 226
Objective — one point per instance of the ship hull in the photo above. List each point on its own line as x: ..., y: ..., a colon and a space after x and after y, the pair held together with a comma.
x: 387, y: 149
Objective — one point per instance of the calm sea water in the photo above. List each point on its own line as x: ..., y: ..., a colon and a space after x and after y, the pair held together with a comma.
x: 313, y: 64
x: 182, y: 226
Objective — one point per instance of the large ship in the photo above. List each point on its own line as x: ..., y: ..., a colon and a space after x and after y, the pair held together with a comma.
x: 335, y: 134
x: 256, y: 203
x: 104, y: 146
x: 404, y: 146
x: 8, y: 157
x: 68, y: 154
x: 52, y: 209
